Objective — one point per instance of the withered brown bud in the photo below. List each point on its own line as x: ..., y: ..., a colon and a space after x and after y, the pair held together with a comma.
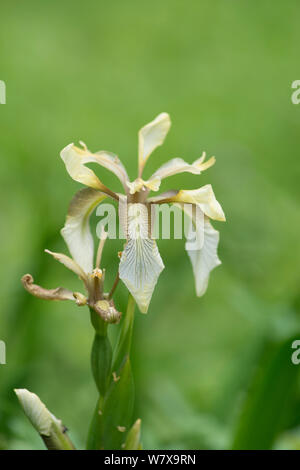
x: 107, y: 311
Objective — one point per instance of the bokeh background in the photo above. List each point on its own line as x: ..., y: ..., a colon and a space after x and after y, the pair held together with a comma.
x: 211, y: 372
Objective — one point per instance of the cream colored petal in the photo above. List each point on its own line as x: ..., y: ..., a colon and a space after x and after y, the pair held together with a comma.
x: 178, y: 165
x: 76, y: 231
x: 204, y: 197
x: 140, y: 185
x: 140, y: 264
x: 152, y: 136
x: 112, y: 163
x: 37, y: 413
x: 204, y: 260
x: 59, y: 293
x: 75, y: 160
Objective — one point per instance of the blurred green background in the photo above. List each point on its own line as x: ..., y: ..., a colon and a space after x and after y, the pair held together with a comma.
x: 210, y: 373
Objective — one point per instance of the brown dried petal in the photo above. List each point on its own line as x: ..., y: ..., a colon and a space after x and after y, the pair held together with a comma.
x: 48, y: 294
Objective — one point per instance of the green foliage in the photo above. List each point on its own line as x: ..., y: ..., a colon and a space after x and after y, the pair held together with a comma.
x: 269, y: 398
x: 98, y: 71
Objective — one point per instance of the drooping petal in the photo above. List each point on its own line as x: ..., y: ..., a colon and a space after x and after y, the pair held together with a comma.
x: 48, y: 294
x: 76, y: 231
x: 75, y: 160
x: 152, y: 136
x: 201, y: 246
x: 140, y: 264
x: 204, y: 260
x: 178, y: 165
x: 204, y: 197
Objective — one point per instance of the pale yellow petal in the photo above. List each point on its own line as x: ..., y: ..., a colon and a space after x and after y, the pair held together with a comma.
x: 75, y: 159
x: 206, y: 259
x: 201, y: 246
x: 76, y: 231
x: 152, y: 136
x: 204, y: 197
x: 178, y: 165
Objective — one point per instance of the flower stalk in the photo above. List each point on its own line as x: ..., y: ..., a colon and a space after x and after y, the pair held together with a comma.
x: 113, y: 376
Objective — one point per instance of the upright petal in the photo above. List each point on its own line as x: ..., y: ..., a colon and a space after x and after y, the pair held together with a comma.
x: 75, y: 160
x: 140, y: 264
x: 76, y: 231
x: 152, y: 136
x: 204, y: 197
x: 178, y: 165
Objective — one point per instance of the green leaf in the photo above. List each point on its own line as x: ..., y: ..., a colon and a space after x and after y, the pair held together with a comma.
x: 118, y: 408
x: 268, y: 398
x: 113, y: 414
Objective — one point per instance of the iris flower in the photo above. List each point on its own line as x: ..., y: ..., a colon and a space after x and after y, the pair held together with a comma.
x: 140, y: 263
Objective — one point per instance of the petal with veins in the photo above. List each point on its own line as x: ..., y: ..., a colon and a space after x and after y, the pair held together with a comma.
x: 152, y: 136
x: 178, y: 165
x: 205, y: 259
x: 140, y: 264
x: 75, y: 160
x: 76, y: 232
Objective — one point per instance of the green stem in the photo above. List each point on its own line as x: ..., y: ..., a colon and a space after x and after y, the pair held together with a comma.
x: 101, y: 355
x: 58, y: 440
x: 124, y: 342
x: 113, y: 413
